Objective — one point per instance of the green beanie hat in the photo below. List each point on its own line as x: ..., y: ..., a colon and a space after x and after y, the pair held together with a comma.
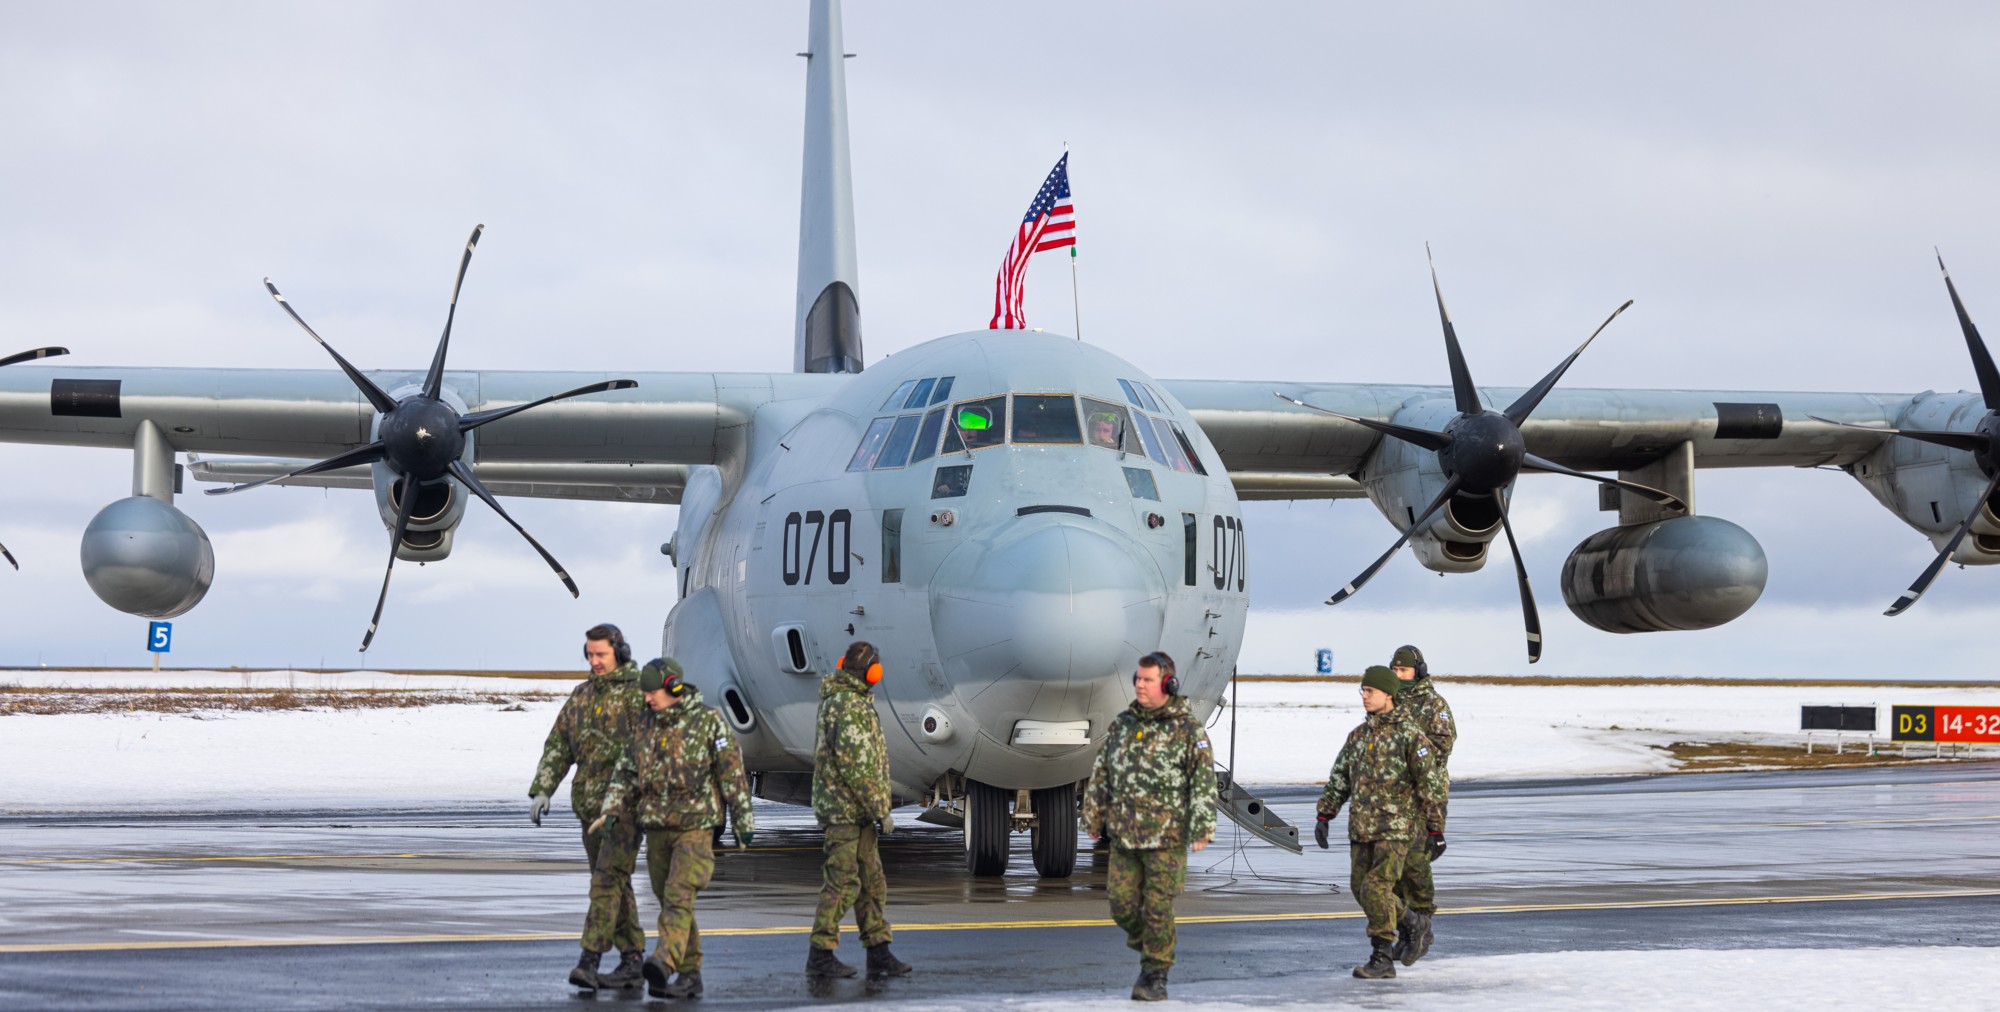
x: 1407, y: 657
x: 1379, y: 677
x: 658, y: 673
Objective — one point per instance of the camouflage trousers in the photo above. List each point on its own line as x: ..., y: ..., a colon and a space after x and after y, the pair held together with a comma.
x: 1374, y: 869
x: 1143, y: 884
x: 1414, y: 887
x: 613, y: 920
x: 680, y: 862
x: 852, y: 878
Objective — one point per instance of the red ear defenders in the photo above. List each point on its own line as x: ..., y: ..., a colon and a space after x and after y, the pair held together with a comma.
x: 1170, y: 682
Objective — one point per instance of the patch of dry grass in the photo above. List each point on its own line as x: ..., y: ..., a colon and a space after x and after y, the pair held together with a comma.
x: 20, y: 699
x: 1716, y: 756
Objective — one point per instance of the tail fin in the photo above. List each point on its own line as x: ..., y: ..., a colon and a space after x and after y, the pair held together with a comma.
x: 828, y: 338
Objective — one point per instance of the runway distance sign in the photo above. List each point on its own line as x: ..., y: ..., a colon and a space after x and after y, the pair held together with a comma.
x: 1963, y: 724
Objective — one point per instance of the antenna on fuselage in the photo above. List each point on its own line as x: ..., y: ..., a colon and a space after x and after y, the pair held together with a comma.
x: 828, y: 334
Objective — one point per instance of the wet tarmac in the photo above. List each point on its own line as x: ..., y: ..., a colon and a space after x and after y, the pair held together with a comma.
x: 472, y: 907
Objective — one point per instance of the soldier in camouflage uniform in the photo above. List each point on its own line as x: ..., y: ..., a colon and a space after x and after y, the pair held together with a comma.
x: 593, y: 731
x: 683, y: 767
x: 1433, y: 716
x: 1388, y: 769
x: 850, y: 793
x: 1152, y: 792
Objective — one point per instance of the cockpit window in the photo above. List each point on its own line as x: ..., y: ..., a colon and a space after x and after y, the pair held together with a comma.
x: 1146, y: 396
x: 895, y: 400
x: 921, y: 395
x: 1130, y: 394
x: 979, y: 424
x: 1187, y: 448
x: 1141, y: 482
x: 943, y: 390
x: 1045, y: 418
x: 1175, y: 455
x: 896, y: 449
x: 1110, y: 426
x: 871, y: 444
x: 927, y: 437
x: 1144, y: 427
x: 951, y: 482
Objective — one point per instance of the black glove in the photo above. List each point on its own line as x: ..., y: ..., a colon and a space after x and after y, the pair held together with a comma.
x: 605, y: 825
x: 1437, y: 846
x: 1319, y: 831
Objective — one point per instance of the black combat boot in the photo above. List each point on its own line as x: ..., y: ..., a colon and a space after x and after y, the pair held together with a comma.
x: 1379, y: 965
x: 823, y: 963
x: 584, y: 977
x: 1419, y: 940
x: 656, y: 975
x: 685, y: 986
x: 883, y: 964
x: 1152, y: 986
x: 1406, y: 932
x: 627, y: 972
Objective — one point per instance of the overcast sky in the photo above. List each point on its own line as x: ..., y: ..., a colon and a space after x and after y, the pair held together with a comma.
x: 1254, y: 187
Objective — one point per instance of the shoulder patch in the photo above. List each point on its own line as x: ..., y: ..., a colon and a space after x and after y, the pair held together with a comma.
x: 1421, y: 750
x: 722, y: 742
x: 1202, y: 743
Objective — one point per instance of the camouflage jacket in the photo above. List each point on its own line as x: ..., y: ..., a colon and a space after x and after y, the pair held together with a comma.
x: 682, y: 768
x: 850, y: 759
x: 593, y: 731
x: 1432, y: 716
x: 1389, y: 770
x: 1153, y: 787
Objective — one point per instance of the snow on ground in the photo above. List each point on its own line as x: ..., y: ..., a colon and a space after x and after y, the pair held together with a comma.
x: 304, y: 681
x: 480, y: 752
x: 1685, y: 980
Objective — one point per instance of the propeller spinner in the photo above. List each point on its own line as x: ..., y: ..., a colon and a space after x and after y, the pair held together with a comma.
x: 26, y: 356
x: 421, y: 437
x: 1482, y: 452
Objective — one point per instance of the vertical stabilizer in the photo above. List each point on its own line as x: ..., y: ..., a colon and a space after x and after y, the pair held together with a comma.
x: 828, y: 337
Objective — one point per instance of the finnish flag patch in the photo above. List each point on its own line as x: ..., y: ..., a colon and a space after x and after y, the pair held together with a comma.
x: 722, y: 742
x: 1423, y: 751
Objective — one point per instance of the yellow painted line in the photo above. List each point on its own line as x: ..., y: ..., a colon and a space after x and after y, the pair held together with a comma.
x: 1727, y: 825
x: 1082, y: 922
x: 239, y: 858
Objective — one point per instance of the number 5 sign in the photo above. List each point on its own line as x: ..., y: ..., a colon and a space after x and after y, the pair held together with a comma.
x: 160, y: 637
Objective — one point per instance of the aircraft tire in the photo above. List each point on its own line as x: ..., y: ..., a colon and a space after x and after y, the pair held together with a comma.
x: 1053, y: 841
x: 987, y: 827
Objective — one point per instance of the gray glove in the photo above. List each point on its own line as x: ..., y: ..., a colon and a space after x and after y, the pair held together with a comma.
x: 887, y: 824
x: 538, y: 809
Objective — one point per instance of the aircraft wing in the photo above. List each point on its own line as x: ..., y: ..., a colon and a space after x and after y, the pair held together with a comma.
x: 244, y: 424
x: 1258, y: 434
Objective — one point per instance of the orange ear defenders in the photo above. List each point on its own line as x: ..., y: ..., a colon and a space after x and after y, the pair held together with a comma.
x: 868, y: 665
x: 874, y: 673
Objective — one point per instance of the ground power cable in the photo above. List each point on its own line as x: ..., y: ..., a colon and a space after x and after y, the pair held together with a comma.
x: 1238, y: 850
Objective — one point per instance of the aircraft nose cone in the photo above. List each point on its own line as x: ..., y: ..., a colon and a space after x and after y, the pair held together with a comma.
x: 1052, y: 600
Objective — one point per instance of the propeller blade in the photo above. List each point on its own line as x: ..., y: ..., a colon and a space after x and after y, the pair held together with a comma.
x: 1982, y: 363
x: 434, y: 380
x: 395, y: 541
x: 1519, y: 411
x: 1667, y: 499
x: 29, y: 356
x: 9, y: 556
x: 1931, y: 571
x: 1955, y: 440
x: 1450, y: 489
x: 464, y: 475
x: 1530, y: 617
x: 375, y: 394
x: 359, y: 455
x: 1461, y: 377
x: 1421, y: 437
x: 467, y: 423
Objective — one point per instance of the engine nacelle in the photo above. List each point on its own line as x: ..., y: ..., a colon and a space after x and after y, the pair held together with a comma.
x: 1402, y: 479
x: 1931, y: 487
x: 146, y: 558
x: 1676, y: 574
x: 440, y: 504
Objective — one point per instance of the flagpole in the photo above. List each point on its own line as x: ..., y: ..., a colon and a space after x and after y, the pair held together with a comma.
x: 1074, y: 306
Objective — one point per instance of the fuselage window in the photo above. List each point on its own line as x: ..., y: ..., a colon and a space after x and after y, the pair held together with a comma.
x: 981, y: 423
x: 871, y: 444
x: 927, y: 437
x: 943, y: 390
x: 1188, y: 543
x: 1046, y: 418
x: 1165, y: 435
x: 1130, y: 394
x: 896, y: 449
x: 1141, y: 482
x: 895, y: 400
x: 892, y: 546
x: 951, y: 482
x: 1144, y: 426
x: 1194, y: 459
x: 1109, y: 425
x: 920, y: 396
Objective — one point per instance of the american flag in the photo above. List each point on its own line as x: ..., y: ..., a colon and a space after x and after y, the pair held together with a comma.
x: 1049, y: 224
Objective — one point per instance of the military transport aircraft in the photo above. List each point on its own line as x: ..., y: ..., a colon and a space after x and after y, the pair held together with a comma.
x: 1013, y: 516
